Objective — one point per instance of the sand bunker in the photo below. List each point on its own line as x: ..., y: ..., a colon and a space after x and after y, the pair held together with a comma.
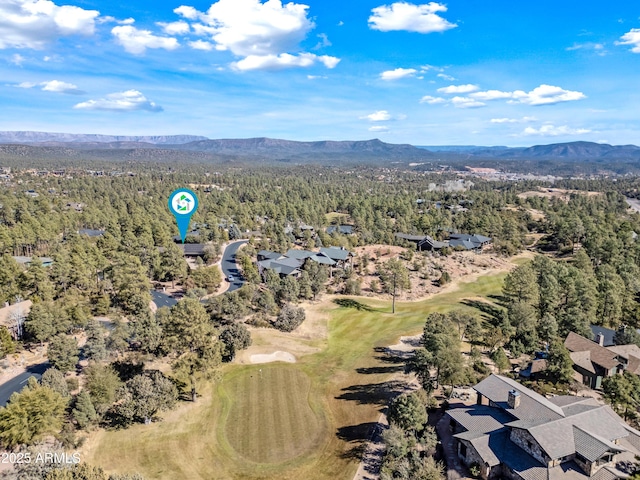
x: 273, y: 357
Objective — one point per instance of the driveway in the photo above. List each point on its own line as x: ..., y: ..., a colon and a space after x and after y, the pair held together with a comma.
x: 18, y: 382
x: 162, y: 299
x: 229, y: 266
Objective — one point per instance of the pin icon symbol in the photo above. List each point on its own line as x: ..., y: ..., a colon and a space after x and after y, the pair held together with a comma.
x: 183, y: 203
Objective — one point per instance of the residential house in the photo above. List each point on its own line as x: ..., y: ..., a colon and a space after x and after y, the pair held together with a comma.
x: 26, y: 261
x: 468, y: 242
x: 282, y: 265
x: 603, y: 336
x: 340, y: 255
x: 291, y: 262
x: 193, y: 249
x: 89, y: 232
x: 456, y: 240
x: 515, y: 433
x: 342, y: 229
x: 592, y: 362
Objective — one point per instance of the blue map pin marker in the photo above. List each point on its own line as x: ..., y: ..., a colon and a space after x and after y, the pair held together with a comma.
x: 183, y: 203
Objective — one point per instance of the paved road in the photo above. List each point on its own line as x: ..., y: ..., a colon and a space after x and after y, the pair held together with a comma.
x: 634, y: 203
x: 229, y: 266
x: 162, y: 299
x: 17, y: 383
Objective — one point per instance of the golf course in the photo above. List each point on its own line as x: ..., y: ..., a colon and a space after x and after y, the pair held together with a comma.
x: 287, y: 421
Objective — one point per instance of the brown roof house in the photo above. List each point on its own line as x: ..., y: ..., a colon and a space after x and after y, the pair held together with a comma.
x: 593, y: 362
x: 515, y: 433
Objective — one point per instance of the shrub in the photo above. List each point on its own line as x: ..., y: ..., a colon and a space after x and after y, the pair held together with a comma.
x: 289, y: 318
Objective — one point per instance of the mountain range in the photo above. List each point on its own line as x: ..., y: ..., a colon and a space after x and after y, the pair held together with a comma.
x: 112, y: 146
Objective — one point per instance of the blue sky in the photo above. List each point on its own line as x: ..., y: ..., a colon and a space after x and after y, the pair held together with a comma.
x: 462, y: 72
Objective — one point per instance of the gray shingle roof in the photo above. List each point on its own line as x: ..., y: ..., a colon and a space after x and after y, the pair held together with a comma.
x: 480, y: 418
x: 533, y: 406
x: 269, y: 254
x: 592, y: 446
x: 412, y: 238
x: 607, y: 334
x: 335, y: 253
x: 343, y: 229
x: 434, y: 243
x: 557, y: 437
x: 300, y: 254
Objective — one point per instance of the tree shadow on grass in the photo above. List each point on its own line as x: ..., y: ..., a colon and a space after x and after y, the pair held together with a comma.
x: 381, y: 369
x: 356, y: 433
x: 373, y: 393
x: 500, y: 300
x: 351, y: 303
x: 491, y: 312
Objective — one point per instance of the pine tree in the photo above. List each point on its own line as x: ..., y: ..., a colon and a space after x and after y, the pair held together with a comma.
x: 63, y: 352
x: 84, y: 412
x: 31, y: 414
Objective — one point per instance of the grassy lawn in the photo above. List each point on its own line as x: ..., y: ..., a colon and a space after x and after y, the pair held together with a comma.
x: 305, y: 420
x: 335, y: 216
x: 272, y: 402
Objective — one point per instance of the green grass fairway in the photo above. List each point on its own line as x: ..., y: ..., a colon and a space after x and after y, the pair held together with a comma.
x: 270, y: 418
x: 301, y: 421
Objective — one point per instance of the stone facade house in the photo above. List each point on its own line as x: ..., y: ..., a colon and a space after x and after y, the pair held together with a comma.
x: 515, y: 433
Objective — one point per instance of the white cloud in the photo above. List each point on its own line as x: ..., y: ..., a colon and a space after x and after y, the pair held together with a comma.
x: 459, y: 89
x: 597, y: 47
x: 426, y: 68
x: 284, y: 60
x: 110, y: 19
x: 61, y: 87
x: 432, y: 100
x: 379, y: 116
x: 398, y: 73
x: 379, y: 129
x: 128, y: 101
x: 632, y: 37
x: 266, y: 35
x: 249, y: 27
x: 35, y: 23
x: 324, y: 41
x: 174, y: 28
x: 542, y: 95
x: 189, y: 13
x: 201, y: 45
x: 316, y: 77
x: 553, y: 131
x: 410, y: 17
x: 491, y: 95
x: 17, y: 59
x: 446, y: 77
x: 466, y: 102
x: 547, y: 95
x: 55, y: 86
x: 513, y: 120
x: 137, y: 41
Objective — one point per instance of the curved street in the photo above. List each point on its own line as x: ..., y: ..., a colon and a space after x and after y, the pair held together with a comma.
x: 229, y: 265
x: 18, y: 382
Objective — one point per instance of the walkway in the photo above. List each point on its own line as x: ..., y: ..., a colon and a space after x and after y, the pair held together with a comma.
x: 455, y: 469
x: 369, y: 468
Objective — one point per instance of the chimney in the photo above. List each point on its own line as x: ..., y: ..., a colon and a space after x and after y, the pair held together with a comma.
x: 514, y: 399
x: 600, y: 339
